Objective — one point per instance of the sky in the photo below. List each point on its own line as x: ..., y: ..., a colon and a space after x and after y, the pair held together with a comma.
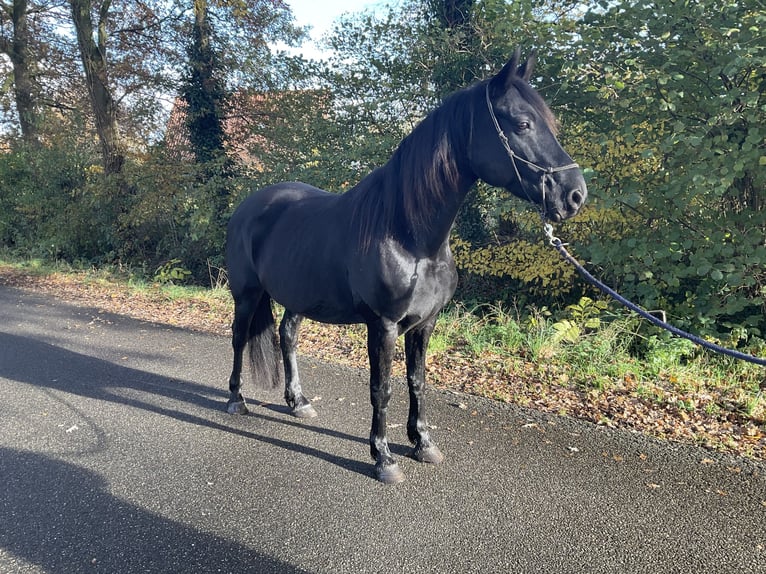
x: 320, y: 15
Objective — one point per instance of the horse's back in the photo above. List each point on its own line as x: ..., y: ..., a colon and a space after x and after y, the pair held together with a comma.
x: 264, y: 208
x: 267, y: 203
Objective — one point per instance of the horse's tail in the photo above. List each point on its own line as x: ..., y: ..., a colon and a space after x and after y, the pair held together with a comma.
x: 264, y: 347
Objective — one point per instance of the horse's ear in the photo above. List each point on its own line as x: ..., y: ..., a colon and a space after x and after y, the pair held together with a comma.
x: 526, y: 69
x: 502, y: 81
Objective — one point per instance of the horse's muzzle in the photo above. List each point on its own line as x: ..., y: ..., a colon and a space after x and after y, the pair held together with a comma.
x: 566, y: 203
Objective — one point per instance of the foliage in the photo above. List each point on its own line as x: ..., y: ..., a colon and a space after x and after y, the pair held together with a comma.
x: 171, y: 272
x: 661, y: 103
x: 535, y: 265
x: 51, y: 206
x: 56, y: 203
x: 175, y: 212
x: 482, y: 329
x: 296, y: 138
x: 675, y: 93
x: 605, y: 354
x: 583, y: 316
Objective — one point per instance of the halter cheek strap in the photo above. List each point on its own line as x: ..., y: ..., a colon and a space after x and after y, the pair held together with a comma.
x: 544, y: 171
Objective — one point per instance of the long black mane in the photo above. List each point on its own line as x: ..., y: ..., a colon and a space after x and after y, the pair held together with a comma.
x: 399, y: 197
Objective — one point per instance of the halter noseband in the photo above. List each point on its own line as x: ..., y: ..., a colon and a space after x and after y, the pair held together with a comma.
x: 511, y: 154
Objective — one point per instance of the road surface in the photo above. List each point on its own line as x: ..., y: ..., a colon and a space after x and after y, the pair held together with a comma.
x: 117, y: 456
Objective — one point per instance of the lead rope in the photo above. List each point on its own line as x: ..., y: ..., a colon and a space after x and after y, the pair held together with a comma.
x: 560, y: 247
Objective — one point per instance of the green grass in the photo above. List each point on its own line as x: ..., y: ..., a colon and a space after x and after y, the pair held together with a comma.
x: 616, y: 352
x: 482, y: 330
x: 135, y: 281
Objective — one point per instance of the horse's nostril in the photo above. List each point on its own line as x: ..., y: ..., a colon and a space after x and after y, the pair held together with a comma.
x: 576, y: 198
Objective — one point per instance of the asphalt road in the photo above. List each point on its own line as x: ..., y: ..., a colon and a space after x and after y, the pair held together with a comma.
x: 116, y: 456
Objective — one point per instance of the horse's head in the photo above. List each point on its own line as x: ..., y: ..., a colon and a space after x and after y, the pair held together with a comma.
x: 513, y: 144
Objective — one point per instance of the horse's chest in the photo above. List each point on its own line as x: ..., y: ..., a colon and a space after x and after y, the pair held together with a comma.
x: 412, y: 290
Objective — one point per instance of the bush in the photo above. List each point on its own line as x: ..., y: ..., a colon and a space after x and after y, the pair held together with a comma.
x: 52, y: 204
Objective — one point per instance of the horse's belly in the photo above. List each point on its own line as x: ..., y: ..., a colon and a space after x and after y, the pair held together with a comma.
x: 309, y: 278
x: 317, y: 301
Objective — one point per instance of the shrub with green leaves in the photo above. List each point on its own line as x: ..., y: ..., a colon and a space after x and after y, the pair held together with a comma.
x: 51, y: 204
x: 675, y: 91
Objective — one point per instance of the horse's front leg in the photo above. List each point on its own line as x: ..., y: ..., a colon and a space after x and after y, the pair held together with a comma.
x: 415, y: 346
x: 381, y: 340
x: 299, y: 405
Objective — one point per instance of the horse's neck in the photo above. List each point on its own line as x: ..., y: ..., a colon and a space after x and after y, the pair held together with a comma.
x: 438, y: 219
x: 416, y: 196
x: 444, y: 217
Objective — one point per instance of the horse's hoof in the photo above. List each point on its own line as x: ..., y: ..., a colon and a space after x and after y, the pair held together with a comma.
x: 304, y: 412
x: 431, y: 455
x: 389, y: 474
x: 236, y: 407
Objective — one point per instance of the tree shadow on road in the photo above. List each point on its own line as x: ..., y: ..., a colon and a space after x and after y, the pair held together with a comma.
x: 62, y: 518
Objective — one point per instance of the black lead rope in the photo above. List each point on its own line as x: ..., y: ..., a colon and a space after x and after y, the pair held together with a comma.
x: 560, y: 247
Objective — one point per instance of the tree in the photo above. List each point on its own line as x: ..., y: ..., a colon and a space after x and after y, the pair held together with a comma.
x: 225, y: 37
x: 671, y: 100
x: 93, y: 51
x: 50, y: 94
x: 112, y: 83
x: 204, y: 91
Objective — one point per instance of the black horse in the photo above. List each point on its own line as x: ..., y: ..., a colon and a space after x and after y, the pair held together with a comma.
x: 379, y: 254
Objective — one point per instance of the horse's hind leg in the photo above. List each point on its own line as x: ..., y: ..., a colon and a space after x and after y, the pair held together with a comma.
x: 244, y: 310
x: 299, y: 405
x: 415, y: 346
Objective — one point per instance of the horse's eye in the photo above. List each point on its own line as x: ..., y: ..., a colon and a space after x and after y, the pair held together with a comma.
x: 523, y: 126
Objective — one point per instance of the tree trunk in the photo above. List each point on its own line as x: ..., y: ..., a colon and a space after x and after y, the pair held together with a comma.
x: 18, y: 51
x: 205, y: 96
x: 204, y: 92
x: 94, y: 62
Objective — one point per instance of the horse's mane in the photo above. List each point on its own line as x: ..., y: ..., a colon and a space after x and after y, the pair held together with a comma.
x: 401, y: 196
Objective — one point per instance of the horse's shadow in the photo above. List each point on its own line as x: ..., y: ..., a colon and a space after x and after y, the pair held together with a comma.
x: 44, y: 365
x: 100, y: 532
